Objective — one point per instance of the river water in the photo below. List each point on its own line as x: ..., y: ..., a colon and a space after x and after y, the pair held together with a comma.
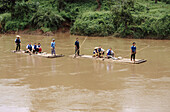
x: 36, y: 84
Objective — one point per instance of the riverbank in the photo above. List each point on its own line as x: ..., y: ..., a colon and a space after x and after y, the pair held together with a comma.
x: 66, y: 30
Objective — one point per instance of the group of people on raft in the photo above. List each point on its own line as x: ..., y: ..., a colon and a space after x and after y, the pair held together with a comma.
x: 35, y: 49
x: 30, y: 48
x: 98, y: 51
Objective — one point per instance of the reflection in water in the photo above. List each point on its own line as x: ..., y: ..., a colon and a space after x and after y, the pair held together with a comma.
x: 53, y: 66
x: 109, y: 67
x: 98, y: 66
x: 34, y: 84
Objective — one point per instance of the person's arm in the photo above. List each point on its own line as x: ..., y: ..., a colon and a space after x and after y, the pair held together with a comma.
x: 107, y: 52
x: 75, y: 45
x: 33, y: 47
x: 51, y: 45
x: 102, y: 50
x: 27, y: 48
x: 131, y: 51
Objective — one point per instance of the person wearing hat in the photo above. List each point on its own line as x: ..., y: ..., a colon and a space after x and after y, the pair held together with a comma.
x: 95, y: 51
x: 133, y: 51
x: 100, y: 52
x: 18, y: 43
x: 53, y: 47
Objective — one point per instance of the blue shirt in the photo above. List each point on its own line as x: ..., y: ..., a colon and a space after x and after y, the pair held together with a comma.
x: 29, y: 47
x: 53, y: 44
x: 35, y: 46
x: 38, y: 46
x: 17, y: 41
x: 133, y: 48
x: 109, y: 52
x: 77, y: 44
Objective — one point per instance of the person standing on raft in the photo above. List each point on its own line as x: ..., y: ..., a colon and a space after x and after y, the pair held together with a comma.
x: 77, y: 47
x: 133, y: 51
x: 18, y: 43
x: 53, y: 47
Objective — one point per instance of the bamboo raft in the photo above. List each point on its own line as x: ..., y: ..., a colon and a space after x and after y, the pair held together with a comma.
x: 45, y: 55
x: 119, y: 59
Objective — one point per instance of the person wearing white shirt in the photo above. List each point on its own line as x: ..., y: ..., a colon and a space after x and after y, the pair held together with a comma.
x: 29, y: 48
x: 110, y: 54
x: 100, y: 51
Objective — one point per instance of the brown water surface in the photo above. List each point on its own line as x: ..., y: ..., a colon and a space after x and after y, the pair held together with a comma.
x: 36, y: 84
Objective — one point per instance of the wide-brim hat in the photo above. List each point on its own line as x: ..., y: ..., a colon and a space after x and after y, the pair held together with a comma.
x: 96, y: 47
x: 18, y: 36
x: 53, y: 39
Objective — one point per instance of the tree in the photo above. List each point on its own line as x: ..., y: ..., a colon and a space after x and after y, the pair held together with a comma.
x: 121, y: 12
x: 156, y: 1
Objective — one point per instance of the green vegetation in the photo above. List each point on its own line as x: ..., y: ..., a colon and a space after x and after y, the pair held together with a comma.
x: 94, y: 23
x: 127, y: 18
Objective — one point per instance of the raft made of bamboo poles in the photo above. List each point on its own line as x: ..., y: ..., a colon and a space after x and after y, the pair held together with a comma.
x: 116, y: 60
x: 45, y: 55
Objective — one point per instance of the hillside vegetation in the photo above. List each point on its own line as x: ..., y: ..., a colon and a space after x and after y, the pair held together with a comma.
x: 124, y: 18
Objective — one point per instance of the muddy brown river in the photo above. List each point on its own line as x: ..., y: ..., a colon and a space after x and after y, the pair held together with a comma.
x: 36, y: 84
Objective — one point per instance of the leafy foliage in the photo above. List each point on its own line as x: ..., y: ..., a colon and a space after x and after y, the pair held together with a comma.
x: 14, y: 25
x: 93, y: 23
x: 134, y: 18
x: 3, y: 19
x: 46, y: 18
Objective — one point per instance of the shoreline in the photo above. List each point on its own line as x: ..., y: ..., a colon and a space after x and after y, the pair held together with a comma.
x: 67, y: 30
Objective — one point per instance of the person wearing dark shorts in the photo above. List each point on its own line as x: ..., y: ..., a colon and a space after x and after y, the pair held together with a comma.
x: 77, y: 47
x: 133, y: 51
x: 18, y: 43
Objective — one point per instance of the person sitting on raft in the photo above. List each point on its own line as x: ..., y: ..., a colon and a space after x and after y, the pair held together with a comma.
x: 35, y: 48
x: 39, y: 48
x: 18, y: 43
x: 100, y: 52
x: 95, y: 51
x: 110, y: 53
x: 29, y: 48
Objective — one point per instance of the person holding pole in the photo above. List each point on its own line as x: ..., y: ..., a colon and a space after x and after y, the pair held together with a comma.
x: 77, y: 47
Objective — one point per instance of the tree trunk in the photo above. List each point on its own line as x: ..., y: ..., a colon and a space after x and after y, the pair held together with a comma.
x: 99, y: 5
x: 156, y: 1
